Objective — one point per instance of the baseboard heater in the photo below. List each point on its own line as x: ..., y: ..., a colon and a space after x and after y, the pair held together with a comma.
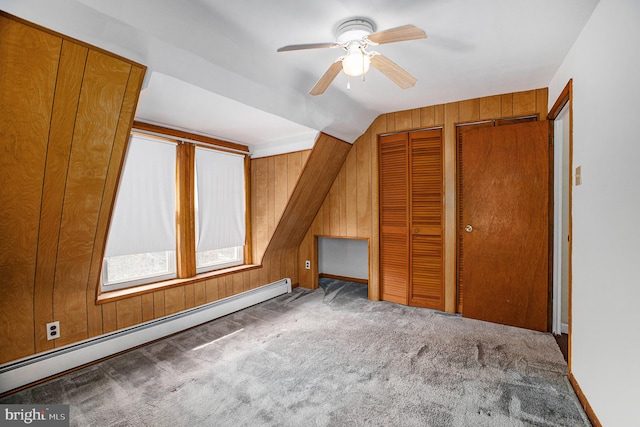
x: 43, y: 365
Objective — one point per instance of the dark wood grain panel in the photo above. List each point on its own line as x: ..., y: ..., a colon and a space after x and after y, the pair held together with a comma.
x: 199, y: 293
x: 341, y: 181
x: 158, y: 304
x: 351, y: 194
x: 524, y: 103
x: 174, y: 300
x: 260, y: 205
x: 29, y: 62
x: 271, y: 192
x: 321, y: 168
x: 189, y: 295
x: 211, y: 290
x: 507, y: 104
x: 28, y: 70
x: 294, y: 167
x: 238, y: 283
x: 427, y: 116
x: 254, y: 278
x: 129, y: 312
x: 390, y: 122
x: 403, y: 120
x: 469, y: 110
x: 542, y: 102
x: 281, y: 188
x: 228, y: 286
x: 246, y: 279
x: 275, y: 265
x: 109, y: 318
x: 363, y: 202
x: 16, y: 324
x: 103, y: 88
x: 490, y: 107
x: 68, y: 84
x: 146, y: 302
x: 121, y: 139
x: 334, y: 203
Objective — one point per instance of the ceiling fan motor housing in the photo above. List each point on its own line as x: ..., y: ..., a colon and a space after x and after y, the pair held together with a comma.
x: 354, y: 29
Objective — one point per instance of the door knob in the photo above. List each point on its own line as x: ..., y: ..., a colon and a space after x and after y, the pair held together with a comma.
x: 468, y: 228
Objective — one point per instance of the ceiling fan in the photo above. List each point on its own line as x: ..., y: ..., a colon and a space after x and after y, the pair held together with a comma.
x: 355, y: 36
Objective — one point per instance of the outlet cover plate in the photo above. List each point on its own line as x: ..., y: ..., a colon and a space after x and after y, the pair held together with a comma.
x: 53, y: 330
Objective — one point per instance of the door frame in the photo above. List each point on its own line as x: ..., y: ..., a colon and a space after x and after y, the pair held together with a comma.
x: 566, y: 99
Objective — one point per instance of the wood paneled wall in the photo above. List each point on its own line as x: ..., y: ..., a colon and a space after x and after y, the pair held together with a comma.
x: 351, y: 207
x: 66, y: 110
x: 65, y: 113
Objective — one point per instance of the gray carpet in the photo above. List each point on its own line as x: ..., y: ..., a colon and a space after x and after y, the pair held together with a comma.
x: 326, y: 358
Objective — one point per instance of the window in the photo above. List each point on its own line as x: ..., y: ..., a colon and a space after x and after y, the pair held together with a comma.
x: 219, y: 198
x: 156, y: 199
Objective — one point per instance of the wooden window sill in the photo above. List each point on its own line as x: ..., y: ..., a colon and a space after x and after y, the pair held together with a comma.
x: 120, y: 294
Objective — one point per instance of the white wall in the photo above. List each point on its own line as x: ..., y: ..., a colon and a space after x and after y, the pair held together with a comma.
x: 344, y: 257
x: 605, y: 66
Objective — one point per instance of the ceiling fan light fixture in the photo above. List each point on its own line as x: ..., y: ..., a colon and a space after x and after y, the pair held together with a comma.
x: 356, y: 63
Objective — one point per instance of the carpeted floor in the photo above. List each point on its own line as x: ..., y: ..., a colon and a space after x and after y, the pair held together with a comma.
x: 326, y: 358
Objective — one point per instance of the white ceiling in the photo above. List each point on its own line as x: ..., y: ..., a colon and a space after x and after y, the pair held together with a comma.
x: 213, y: 66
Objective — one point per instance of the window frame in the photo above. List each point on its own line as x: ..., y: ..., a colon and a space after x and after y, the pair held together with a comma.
x: 185, y: 254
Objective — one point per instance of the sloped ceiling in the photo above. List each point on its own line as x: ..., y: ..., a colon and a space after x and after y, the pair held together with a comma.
x: 214, y: 69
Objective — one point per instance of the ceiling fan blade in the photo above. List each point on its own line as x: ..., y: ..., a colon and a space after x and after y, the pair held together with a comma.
x: 307, y: 46
x: 392, y: 70
x: 326, y: 79
x: 398, y: 34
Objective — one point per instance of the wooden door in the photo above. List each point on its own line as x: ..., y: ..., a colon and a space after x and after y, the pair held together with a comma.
x: 411, y: 249
x: 505, y: 224
x: 426, y: 286
x: 394, y: 218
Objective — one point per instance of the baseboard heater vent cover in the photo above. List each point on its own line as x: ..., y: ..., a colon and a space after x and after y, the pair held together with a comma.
x: 43, y: 365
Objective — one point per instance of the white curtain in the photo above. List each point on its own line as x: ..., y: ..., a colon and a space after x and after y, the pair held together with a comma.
x: 221, y: 200
x: 143, y: 219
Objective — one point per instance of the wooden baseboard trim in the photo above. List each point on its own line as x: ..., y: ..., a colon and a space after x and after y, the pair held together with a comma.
x: 584, y: 402
x: 346, y: 279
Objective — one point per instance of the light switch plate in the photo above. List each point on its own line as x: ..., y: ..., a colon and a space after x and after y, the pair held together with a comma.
x: 579, y: 175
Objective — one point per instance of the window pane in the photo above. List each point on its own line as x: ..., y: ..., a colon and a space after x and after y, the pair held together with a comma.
x: 144, y: 215
x: 130, y: 268
x: 142, y: 239
x: 219, y: 258
x: 220, y: 209
x: 220, y: 193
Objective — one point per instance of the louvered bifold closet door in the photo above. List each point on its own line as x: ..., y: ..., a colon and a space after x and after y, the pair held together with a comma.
x: 394, y: 218
x: 426, y: 249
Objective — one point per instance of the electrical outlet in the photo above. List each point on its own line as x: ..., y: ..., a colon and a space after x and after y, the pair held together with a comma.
x: 53, y: 330
x: 307, y: 265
